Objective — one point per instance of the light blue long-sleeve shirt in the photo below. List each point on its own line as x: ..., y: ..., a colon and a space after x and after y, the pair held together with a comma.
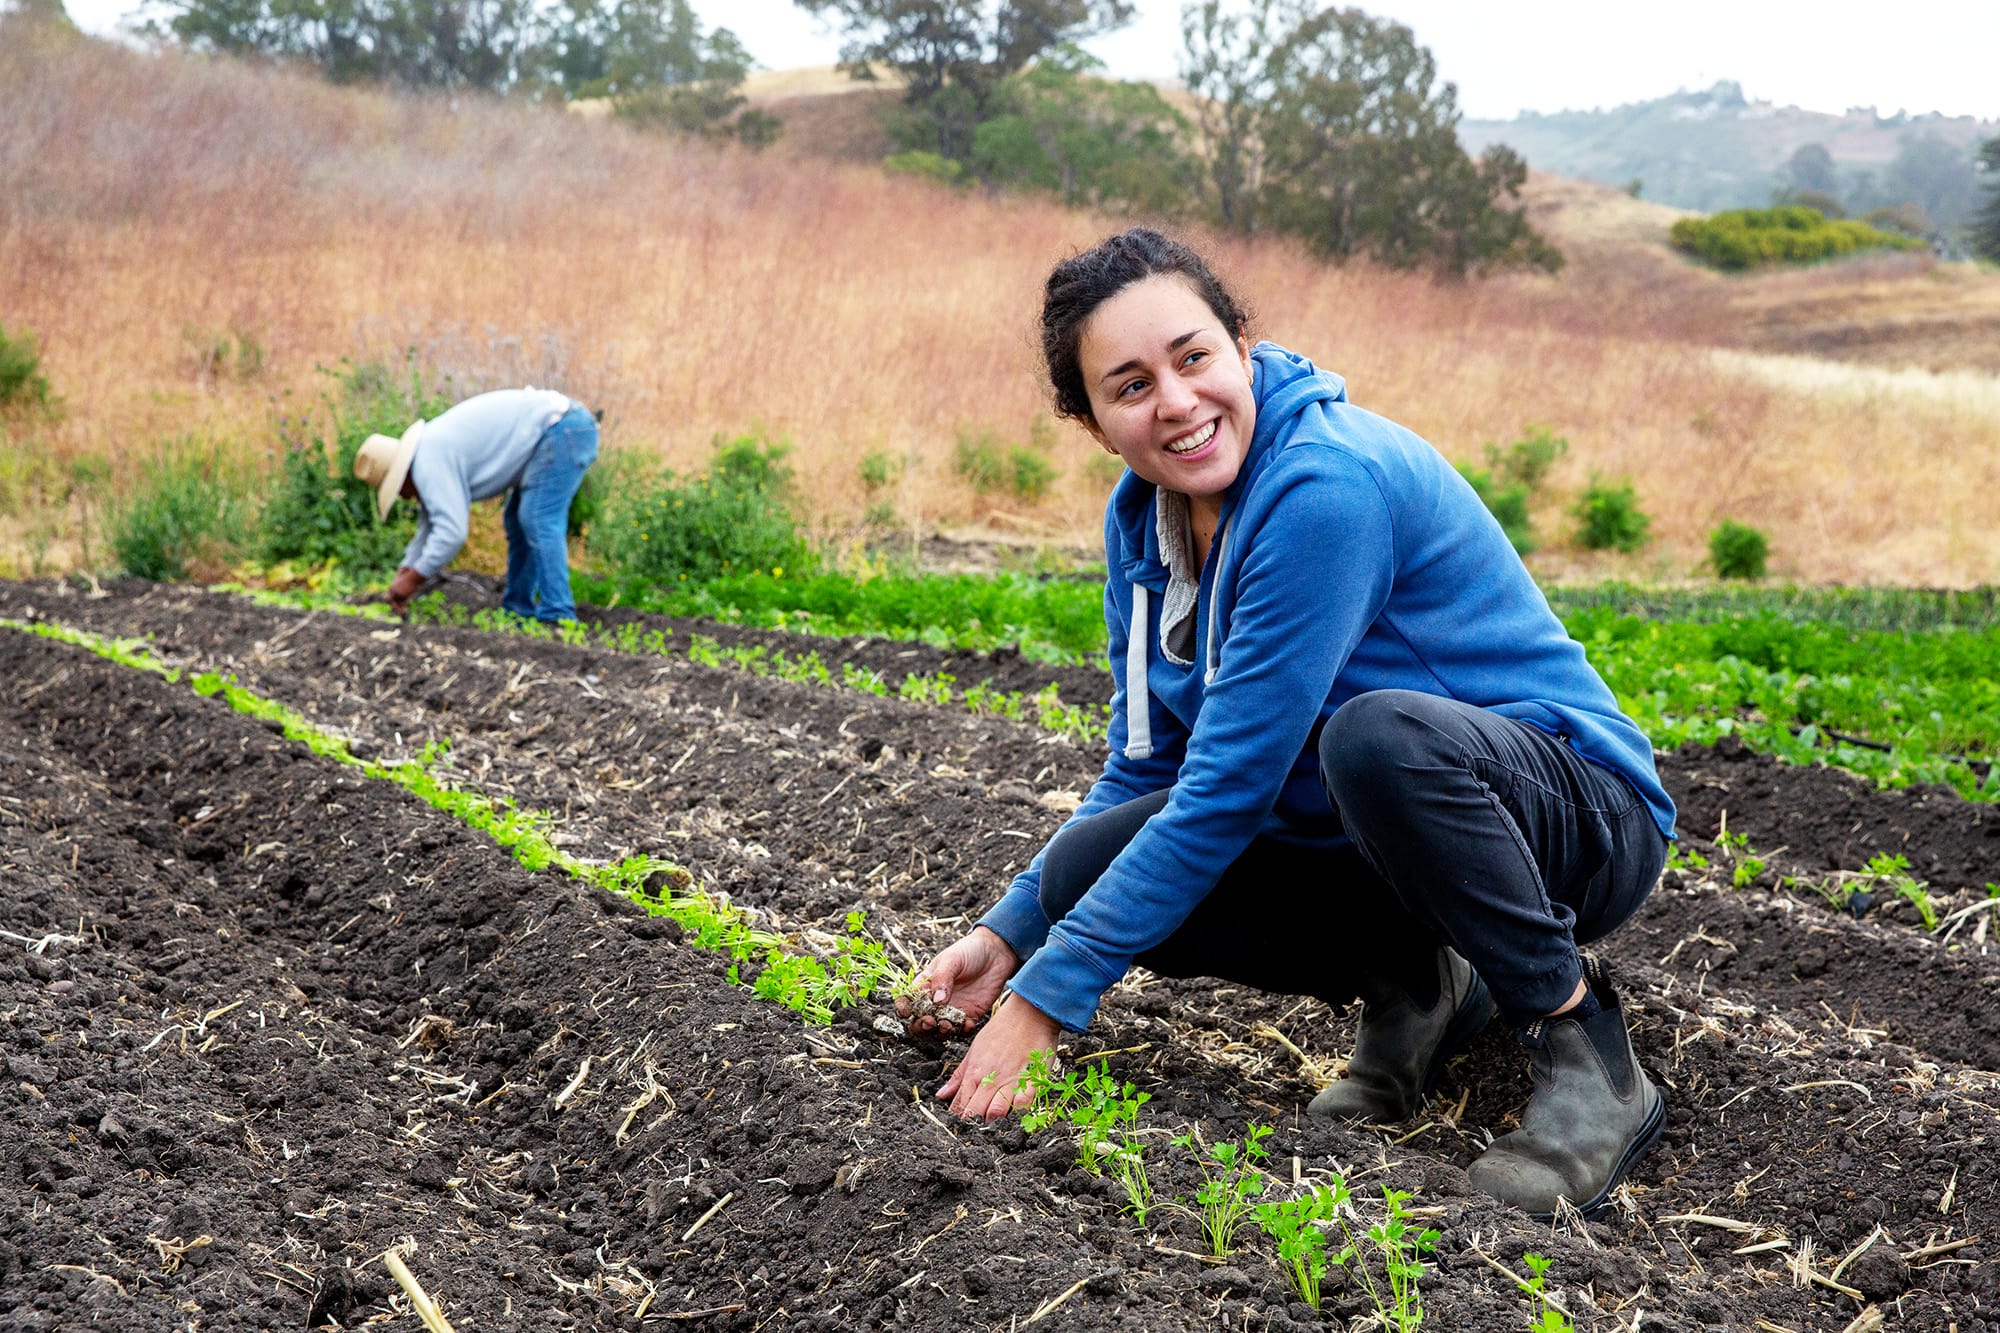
x: 1351, y: 557
x: 473, y: 451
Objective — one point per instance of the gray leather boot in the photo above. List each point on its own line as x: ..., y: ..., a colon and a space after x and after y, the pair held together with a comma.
x: 1402, y: 1046
x: 1593, y: 1113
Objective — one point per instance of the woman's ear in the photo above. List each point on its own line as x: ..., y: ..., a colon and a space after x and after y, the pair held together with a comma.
x: 1243, y: 351
x: 1096, y: 432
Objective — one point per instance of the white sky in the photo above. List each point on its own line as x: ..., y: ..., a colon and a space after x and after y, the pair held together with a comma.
x: 1552, y: 55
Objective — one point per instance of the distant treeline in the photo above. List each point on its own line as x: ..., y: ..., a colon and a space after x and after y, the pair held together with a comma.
x: 1326, y: 124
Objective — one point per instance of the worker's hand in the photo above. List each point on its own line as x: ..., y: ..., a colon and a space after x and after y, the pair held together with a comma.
x: 403, y: 589
x: 987, y: 1083
x: 956, y: 988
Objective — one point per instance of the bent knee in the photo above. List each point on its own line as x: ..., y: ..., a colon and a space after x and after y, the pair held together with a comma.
x: 1378, y: 741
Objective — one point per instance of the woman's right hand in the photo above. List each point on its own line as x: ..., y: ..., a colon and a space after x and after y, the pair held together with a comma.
x: 967, y: 976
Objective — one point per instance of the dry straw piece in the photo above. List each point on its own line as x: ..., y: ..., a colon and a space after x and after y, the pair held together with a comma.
x: 420, y: 1299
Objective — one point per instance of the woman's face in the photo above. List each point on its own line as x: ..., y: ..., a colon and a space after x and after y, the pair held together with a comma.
x: 1169, y: 388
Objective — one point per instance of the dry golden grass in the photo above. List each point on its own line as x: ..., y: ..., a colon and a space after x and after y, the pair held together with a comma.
x: 151, y: 203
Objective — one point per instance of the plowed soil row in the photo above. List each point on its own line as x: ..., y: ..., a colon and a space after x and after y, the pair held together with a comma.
x: 266, y: 1001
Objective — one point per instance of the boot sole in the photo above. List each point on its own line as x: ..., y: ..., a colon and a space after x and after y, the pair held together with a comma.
x: 1643, y: 1142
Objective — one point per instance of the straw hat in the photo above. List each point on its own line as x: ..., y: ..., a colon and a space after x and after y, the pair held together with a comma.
x: 384, y: 463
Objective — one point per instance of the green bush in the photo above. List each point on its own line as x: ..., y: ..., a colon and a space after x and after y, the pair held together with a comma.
x: 1512, y: 479
x: 879, y: 468
x: 989, y: 466
x: 22, y: 383
x: 927, y: 166
x: 1737, y: 550
x: 1609, y: 518
x: 1507, y: 504
x: 736, y: 519
x: 1746, y: 237
x: 186, y: 516
x: 317, y: 511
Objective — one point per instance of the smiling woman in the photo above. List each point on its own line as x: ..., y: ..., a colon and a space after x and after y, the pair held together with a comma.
x: 1352, y: 751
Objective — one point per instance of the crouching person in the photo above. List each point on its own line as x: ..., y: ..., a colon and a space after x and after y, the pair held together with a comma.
x: 1352, y: 751
x: 533, y: 444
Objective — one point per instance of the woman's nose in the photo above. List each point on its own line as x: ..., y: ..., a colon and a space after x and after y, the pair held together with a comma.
x: 1176, y: 399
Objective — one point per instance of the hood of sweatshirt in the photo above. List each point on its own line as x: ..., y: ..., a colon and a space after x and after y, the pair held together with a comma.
x: 1284, y: 385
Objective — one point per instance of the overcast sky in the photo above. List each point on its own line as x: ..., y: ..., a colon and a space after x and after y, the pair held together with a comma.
x: 1552, y: 55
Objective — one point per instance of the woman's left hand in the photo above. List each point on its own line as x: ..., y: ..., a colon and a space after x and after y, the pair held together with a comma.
x: 987, y: 1083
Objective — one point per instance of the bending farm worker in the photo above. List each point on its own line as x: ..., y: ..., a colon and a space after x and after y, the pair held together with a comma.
x: 535, y: 444
x: 1352, y: 751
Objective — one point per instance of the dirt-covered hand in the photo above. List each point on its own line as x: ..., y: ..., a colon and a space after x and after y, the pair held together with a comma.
x: 987, y: 1083
x: 956, y: 988
x: 404, y: 587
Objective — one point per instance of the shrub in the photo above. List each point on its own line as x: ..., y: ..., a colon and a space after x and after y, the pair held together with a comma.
x: 184, y: 518
x: 1512, y: 478
x: 1609, y: 518
x: 988, y: 466
x: 317, y: 510
x: 1737, y: 550
x: 1507, y: 504
x: 927, y: 166
x: 879, y: 468
x: 22, y: 383
x: 1745, y: 237
x: 735, y: 519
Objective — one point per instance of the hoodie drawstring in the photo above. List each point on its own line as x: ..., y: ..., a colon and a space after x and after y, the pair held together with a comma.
x: 1138, y: 695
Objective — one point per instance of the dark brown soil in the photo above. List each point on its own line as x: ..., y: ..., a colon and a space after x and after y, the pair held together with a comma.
x: 271, y: 1018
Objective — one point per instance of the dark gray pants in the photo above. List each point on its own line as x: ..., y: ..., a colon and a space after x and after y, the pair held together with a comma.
x: 1464, y: 828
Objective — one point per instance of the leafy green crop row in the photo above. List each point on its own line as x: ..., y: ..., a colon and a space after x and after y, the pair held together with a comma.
x: 1903, y: 705
x: 847, y: 969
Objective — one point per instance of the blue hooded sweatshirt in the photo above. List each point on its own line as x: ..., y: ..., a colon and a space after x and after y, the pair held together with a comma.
x: 1350, y: 557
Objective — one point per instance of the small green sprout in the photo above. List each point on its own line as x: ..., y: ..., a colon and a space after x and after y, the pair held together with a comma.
x: 1231, y: 1182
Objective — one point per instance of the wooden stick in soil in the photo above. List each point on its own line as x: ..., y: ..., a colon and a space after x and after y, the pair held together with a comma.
x: 420, y: 1299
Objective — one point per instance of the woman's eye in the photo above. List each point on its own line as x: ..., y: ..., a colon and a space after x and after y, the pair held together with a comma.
x: 1195, y: 358
x: 1129, y: 389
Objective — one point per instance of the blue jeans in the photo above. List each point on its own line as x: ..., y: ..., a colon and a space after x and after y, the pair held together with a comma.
x: 537, y: 519
x: 1464, y: 828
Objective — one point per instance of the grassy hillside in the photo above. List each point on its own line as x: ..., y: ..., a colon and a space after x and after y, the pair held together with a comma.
x: 155, y: 208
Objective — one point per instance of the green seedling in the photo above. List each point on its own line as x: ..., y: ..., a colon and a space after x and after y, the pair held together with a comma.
x: 1299, y: 1227
x: 1682, y: 857
x: 1402, y: 1246
x: 1231, y: 1182
x: 1104, y: 1114
x: 1545, y: 1318
x: 1892, y: 871
x: 1744, y: 866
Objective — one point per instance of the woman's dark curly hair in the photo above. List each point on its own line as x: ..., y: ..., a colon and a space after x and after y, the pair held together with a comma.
x: 1081, y: 283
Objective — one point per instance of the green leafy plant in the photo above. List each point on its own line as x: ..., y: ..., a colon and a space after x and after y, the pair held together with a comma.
x: 1891, y: 871
x: 1402, y: 1245
x: 1544, y: 1317
x: 1682, y: 857
x: 1104, y: 1115
x: 185, y: 515
x: 1737, y: 550
x: 1299, y: 1228
x: 1744, y: 865
x: 735, y: 519
x: 1608, y: 518
x: 1512, y: 480
x: 23, y: 384
x: 1231, y: 1181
